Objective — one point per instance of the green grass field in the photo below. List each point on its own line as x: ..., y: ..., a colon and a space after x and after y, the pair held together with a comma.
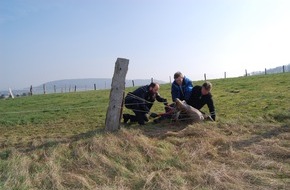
x: 57, y: 141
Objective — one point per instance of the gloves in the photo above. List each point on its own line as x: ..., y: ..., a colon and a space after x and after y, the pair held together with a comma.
x: 153, y: 115
x: 165, y: 102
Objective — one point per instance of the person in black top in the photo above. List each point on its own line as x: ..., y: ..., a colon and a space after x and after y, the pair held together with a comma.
x: 200, y: 96
x: 140, y: 102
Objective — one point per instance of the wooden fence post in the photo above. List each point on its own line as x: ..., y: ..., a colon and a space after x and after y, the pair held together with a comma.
x: 246, y: 73
x: 75, y: 88
x: 205, y: 76
x: 11, y: 93
x: 95, y: 87
x: 283, y: 68
x: 117, y: 93
x: 133, y: 83
x: 31, y: 90
x: 44, y: 89
x: 265, y: 71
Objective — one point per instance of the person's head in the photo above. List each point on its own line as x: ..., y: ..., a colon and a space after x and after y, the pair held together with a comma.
x: 154, y: 87
x: 206, y: 88
x: 178, y: 78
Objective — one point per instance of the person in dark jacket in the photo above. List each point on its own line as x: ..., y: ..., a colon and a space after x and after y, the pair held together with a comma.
x: 200, y: 96
x: 181, y: 87
x: 140, y: 102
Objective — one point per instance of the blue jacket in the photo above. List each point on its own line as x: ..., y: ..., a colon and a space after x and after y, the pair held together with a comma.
x: 182, y: 92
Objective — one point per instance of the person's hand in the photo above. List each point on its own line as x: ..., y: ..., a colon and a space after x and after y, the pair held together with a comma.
x: 153, y: 115
x: 165, y: 102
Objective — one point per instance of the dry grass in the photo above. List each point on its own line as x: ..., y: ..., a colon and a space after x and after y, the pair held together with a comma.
x: 200, y: 156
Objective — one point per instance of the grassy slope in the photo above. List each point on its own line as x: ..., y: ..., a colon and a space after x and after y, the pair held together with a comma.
x: 60, y: 143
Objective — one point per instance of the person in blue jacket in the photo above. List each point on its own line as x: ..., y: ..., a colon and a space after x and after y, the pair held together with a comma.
x: 181, y: 87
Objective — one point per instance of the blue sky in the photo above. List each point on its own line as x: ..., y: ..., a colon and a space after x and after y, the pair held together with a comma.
x: 42, y: 41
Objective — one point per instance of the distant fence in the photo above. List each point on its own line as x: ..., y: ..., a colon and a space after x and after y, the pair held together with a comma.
x: 281, y: 69
x: 48, y: 89
x: 69, y: 88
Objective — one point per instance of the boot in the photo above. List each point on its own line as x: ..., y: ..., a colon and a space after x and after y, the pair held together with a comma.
x: 126, y: 117
x: 141, y: 122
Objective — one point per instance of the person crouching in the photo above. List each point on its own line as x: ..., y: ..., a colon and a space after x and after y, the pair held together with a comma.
x: 140, y: 102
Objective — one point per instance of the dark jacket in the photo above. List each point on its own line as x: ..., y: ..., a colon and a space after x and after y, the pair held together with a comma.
x: 197, y: 100
x: 141, y: 99
x: 182, y: 92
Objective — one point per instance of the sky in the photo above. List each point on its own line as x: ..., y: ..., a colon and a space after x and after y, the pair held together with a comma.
x: 47, y: 40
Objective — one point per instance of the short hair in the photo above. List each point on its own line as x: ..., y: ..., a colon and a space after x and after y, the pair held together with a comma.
x: 152, y: 84
x: 207, y: 85
x: 178, y: 74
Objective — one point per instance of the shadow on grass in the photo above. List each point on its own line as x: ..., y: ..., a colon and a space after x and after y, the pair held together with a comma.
x: 258, y: 138
x: 74, y: 138
x: 159, y: 130
x: 152, y: 130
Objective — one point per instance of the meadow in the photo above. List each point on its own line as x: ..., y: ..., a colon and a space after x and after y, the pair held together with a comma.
x: 57, y: 141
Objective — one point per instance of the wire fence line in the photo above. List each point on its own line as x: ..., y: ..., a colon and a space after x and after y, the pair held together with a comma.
x: 184, y: 116
x: 49, y: 110
x: 76, y: 108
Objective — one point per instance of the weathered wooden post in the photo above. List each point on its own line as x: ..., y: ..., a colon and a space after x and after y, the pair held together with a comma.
x: 283, y: 68
x: 115, y: 108
x: 31, y: 90
x: 205, y: 76
x: 75, y: 88
x: 95, y: 87
x: 246, y: 73
x: 265, y: 71
x: 133, y: 83
x: 11, y: 93
x: 44, y: 89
